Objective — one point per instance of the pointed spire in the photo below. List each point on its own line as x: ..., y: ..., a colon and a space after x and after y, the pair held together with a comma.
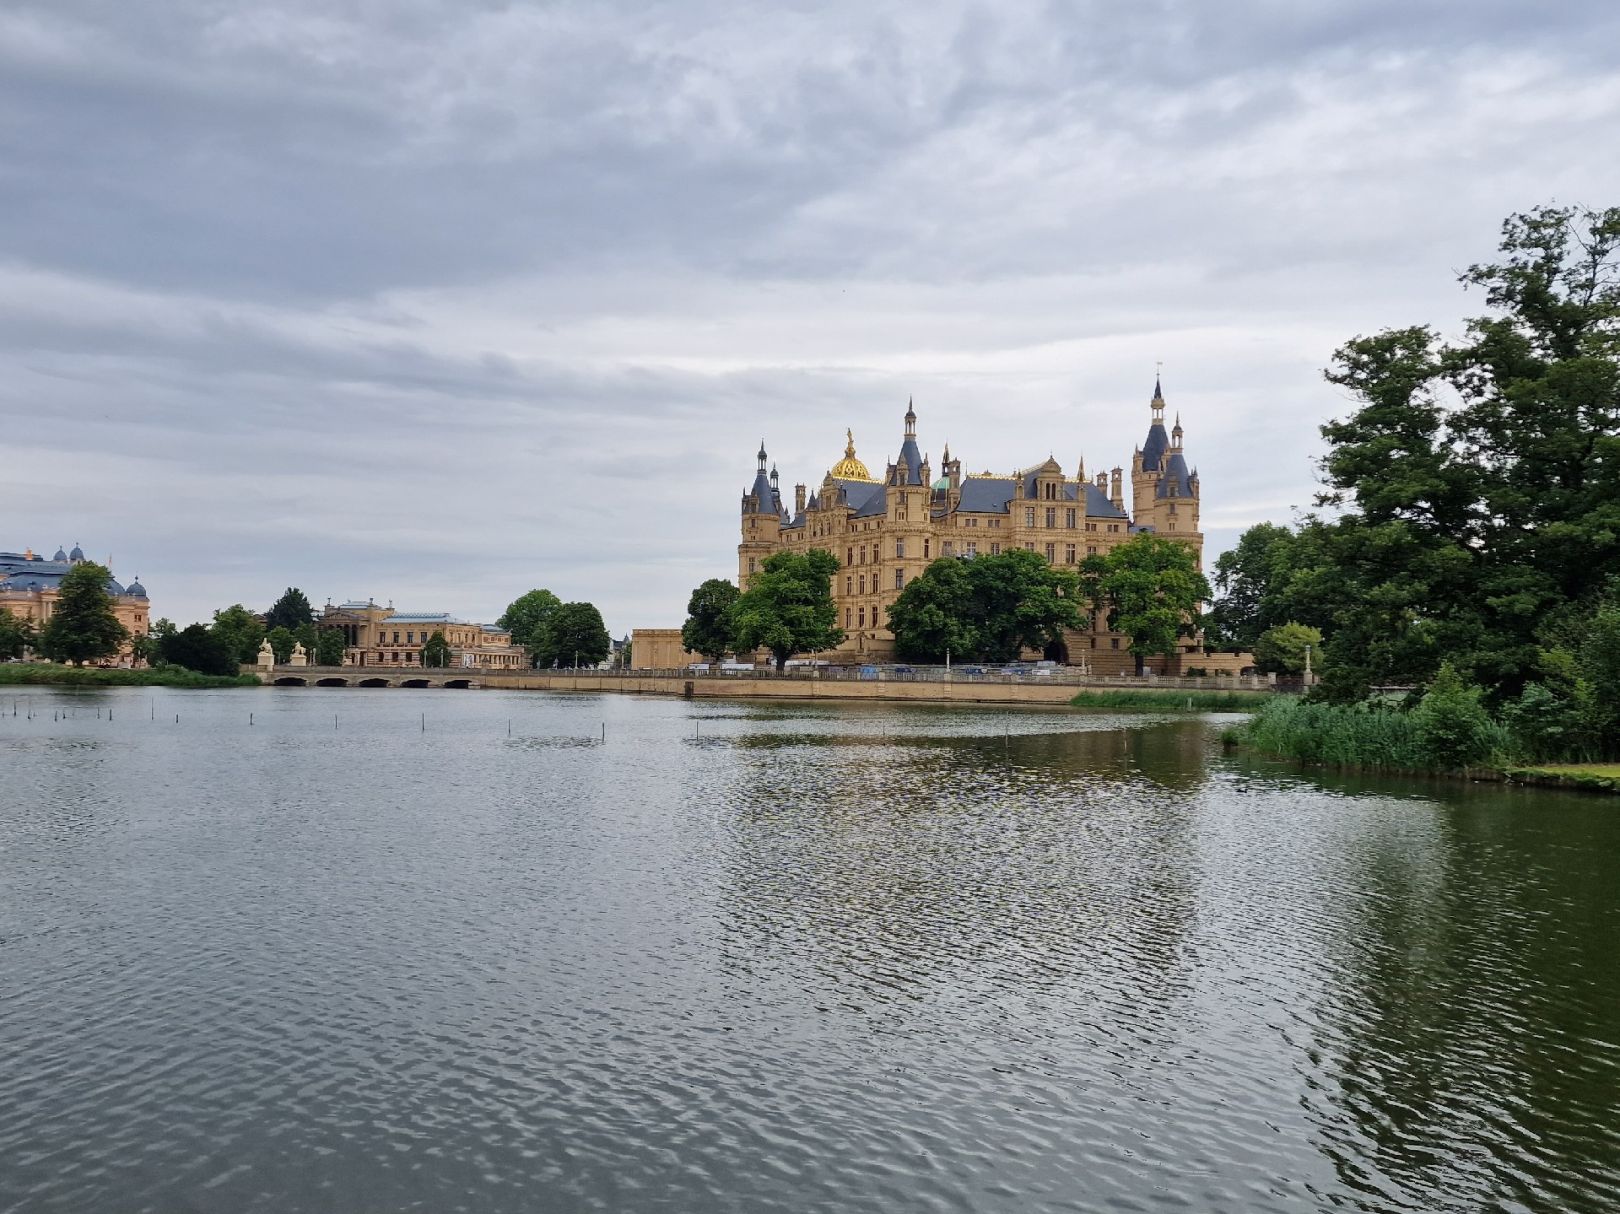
x: 1080, y: 472
x: 911, y: 419
x: 762, y: 455
x: 947, y: 451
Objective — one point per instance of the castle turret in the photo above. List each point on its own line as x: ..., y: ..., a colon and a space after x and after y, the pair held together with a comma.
x: 1148, y: 464
x: 761, y: 522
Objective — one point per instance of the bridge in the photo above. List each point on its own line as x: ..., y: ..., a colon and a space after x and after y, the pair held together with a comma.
x: 369, y: 676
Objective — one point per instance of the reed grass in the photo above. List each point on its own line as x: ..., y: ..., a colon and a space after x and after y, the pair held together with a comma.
x: 48, y: 674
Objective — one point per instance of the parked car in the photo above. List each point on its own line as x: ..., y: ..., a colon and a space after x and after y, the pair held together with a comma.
x: 970, y: 670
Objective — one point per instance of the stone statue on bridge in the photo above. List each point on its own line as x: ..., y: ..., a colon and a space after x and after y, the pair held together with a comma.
x: 267, y: 656
x: 300, y: 656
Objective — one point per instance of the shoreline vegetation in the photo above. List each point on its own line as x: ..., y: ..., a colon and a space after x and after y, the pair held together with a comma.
x: 49, y: 674
x: 1448, y: 736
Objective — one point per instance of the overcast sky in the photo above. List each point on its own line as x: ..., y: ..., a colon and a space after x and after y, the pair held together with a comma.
x: 438, y: 300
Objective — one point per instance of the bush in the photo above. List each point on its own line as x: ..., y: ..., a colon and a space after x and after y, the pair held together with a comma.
x: 1453, y: 728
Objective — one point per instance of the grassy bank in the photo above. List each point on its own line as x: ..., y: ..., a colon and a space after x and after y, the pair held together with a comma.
x: 1171, y: 700
x: 1595, y: 777
x: 42, y: 674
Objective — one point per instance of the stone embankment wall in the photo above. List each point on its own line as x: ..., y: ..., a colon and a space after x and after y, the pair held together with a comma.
x: 1032, y: 691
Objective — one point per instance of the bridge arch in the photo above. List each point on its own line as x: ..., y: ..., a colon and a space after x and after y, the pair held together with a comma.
x: 291, y: 680
x: 373, y: 683
x: 460, y: 684
x: 331, y: 681
x: 416, y: 683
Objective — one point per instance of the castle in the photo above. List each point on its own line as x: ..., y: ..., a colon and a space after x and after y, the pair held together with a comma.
x: 886, y: 530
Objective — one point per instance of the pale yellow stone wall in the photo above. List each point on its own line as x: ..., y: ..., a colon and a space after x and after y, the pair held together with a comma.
x: 659, y: 649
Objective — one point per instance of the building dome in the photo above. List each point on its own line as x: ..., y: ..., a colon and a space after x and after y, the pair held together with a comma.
x: 849, y: 468
x: 77, y: 554
x: 60, y: 555
x: 136, y: 589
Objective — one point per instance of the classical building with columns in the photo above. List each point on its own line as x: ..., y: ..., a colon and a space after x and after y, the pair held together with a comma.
x: 885, y: 530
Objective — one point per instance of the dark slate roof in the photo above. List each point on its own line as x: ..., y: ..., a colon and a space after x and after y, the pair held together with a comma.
x: 994, y: 495
x: 858, y: 493
x: 764, y: 499
x: 911, y: 461
x: 1158, y: 442
x: 60, y: 555
x: 876, y: 504
x: 136, y: 589
x: 77, y: 554
x: 1175, y: 473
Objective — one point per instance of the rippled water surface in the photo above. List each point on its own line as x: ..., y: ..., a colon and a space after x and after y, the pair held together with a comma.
x: 450, y: 951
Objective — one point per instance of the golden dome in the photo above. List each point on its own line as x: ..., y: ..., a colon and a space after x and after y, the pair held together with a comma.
x: 849, y: 468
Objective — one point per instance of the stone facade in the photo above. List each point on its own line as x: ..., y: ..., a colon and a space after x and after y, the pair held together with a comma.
x: 381, y: 636
x: 886, y: 530
x: 30, y: 586
x: 659, y: 649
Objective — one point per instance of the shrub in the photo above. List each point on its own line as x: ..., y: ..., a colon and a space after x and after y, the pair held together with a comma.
x: 1453, y: 728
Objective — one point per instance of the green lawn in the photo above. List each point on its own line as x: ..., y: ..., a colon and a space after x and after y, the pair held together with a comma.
x: 48, y: 674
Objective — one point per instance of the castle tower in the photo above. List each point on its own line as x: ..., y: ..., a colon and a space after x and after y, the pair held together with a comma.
x: 761, y: 523
x: 1147, y: 465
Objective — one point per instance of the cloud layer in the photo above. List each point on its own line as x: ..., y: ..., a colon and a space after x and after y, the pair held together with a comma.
x: 437, y: 301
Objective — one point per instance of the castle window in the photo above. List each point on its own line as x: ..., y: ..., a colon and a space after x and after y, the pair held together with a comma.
x: 946, y: 548
x: 846, y: 617
x: 863, y: 583
x: 849, y: 556
x: 899, y: 549
x: 1068, y: 518
x: 753, y: 564
x: 1068, y: 554
x: 899, y: 579
x: 1029, y: 516
x: 861, y: 620
x: 995, y: 549
x: 876, y: 555
x: 410, y: 638
x: 849, y: 584
x: 1051, y: 516
x: 971, y: 548
x: 1091, y: 549
x: 925, y: 550
x: 1029, y: 545
x: 1091, y: 526
x: 1051, y: 554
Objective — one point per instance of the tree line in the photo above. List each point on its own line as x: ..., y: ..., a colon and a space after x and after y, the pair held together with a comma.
x: 984, y: 608
x: 1467, y: 536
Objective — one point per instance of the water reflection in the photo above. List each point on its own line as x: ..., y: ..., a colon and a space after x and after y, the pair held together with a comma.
x: 399, y: 950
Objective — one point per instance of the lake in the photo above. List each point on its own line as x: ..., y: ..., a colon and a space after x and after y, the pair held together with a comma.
x: 502, y: 951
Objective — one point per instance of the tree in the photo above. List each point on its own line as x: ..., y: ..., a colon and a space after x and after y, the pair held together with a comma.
x: 307, y: 635
x: 83, y: 628
x: 1151, y: 588
x: 436, y: 651
x: 1252, y: 581
x: 17, y: 636
x: 709, y: 629
x: 281, y: 643
x: 241, y: 631
x: 988, y: 607
x: 291, y: 611
x: 1282, y: 648
x: 525, y: 618
x: 573, y: 635
x: 1479, y: 481
x: 329, y: 646
x: 788, y: 606
x: 197, y: 648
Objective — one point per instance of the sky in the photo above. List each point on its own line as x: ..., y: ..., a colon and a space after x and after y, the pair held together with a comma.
x: 435, y: 301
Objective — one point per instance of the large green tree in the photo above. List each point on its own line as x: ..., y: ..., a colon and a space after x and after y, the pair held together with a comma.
x: 197, y: 648
x: 525, y: 618
x: 16, y: 635
x: 1477, y: 482
x: 281, y: 643
x: 241, y: 631
x: 1252, y: 584
x: 329, y: 646
x: 709, y: 629
x: 83, y: 626
x: 291, y: 611
x: 436, y: 652
x: 573, y: 635
x: 990, y: 607
x: 788, y: 606
x: 1150, y: 589
x: 1282, y: 649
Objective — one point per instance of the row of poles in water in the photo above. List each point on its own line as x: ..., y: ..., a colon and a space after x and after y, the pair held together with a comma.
x: 62, y: 714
